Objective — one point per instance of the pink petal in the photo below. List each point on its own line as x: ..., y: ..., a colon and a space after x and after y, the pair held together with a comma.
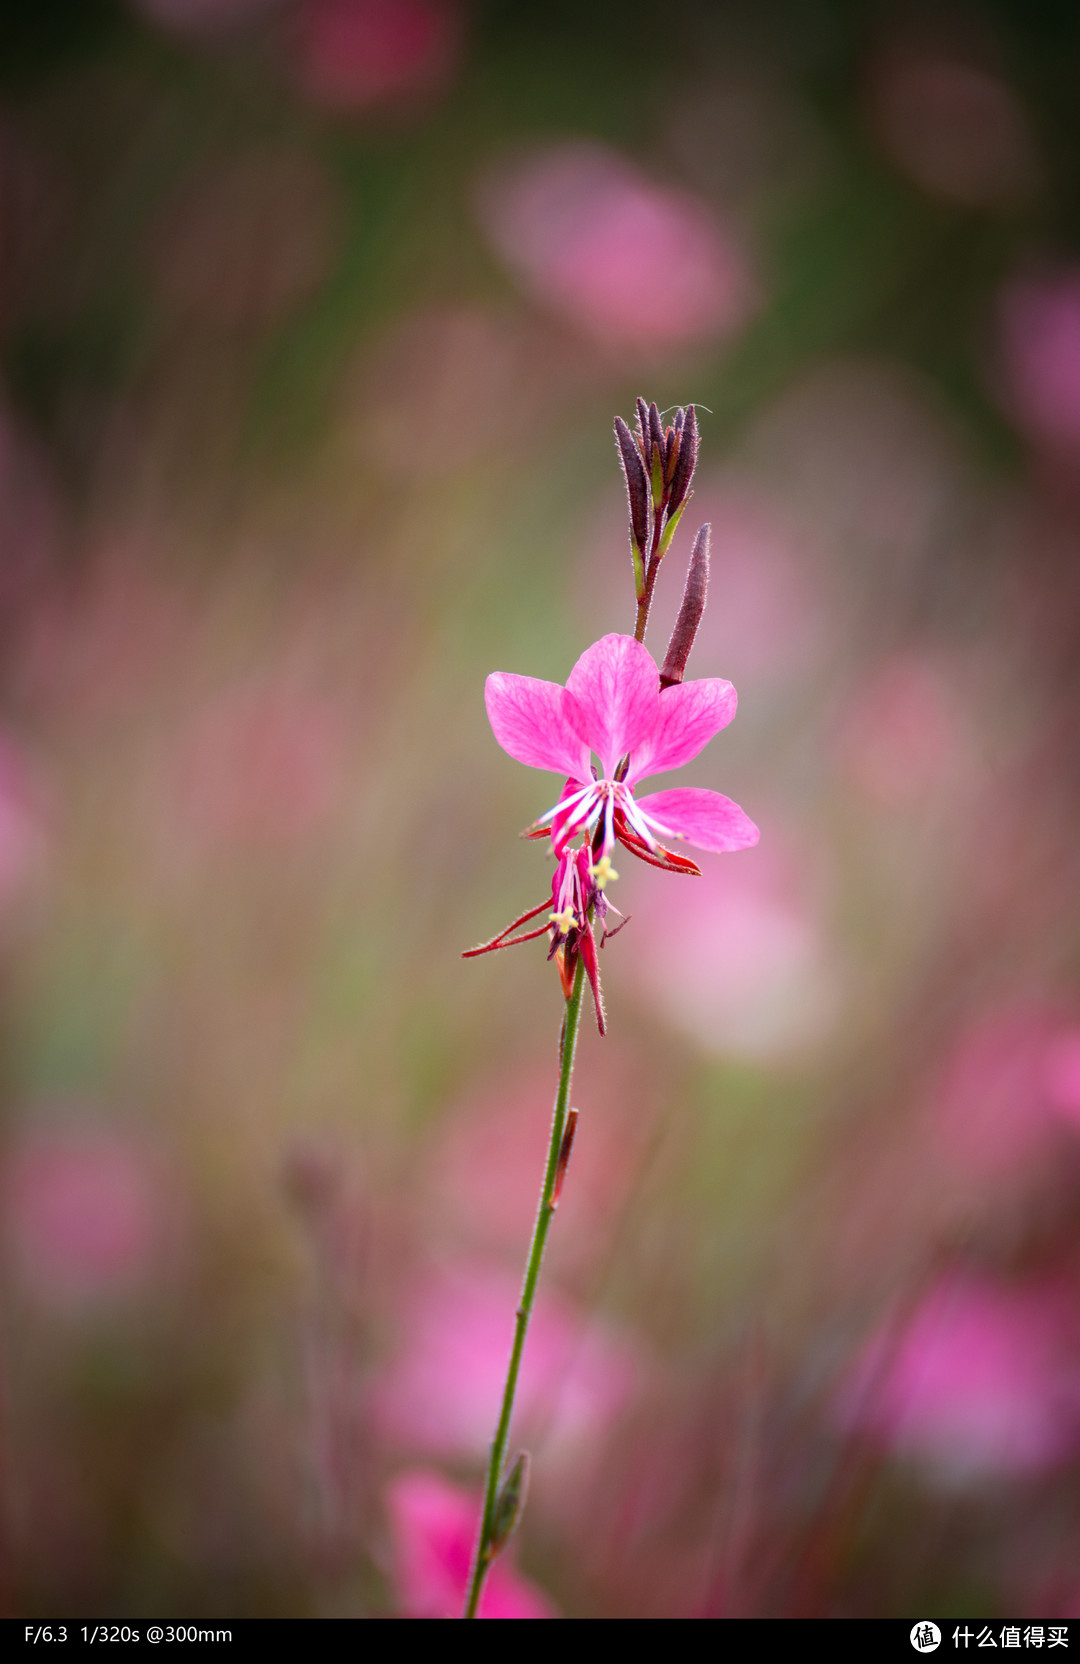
x: 433, y: 1528
x: 527, y: 719
x: 611, y: 697
x: 690, y: 714
x: 705, y: 819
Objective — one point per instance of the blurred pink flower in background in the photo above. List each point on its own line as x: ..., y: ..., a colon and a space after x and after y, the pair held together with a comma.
x: 433, y: 1526
x: 358, y: 54
x: 767, y: 619
x: 953, y: 127
x: 1061, y: 1076
x: 982, y: 1381
x: 262, y: 765
x: 628, y: 262
x: 92, y: 653
x: 88, y: 1214
x: 904, y: 735
x: 444, y: 388
x: 20, y: 819
x: 441, y: 1391
x: 735, y: 958
x: 1040, y: 349
x: 484, y: 1168
x: 1011, y: 1082
x: 204, y: 16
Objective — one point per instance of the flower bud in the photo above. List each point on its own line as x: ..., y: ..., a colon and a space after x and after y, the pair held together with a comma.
x: 644, y: 442
x: 686, y: 462
x: 637, y: 486
x: 690, y: 612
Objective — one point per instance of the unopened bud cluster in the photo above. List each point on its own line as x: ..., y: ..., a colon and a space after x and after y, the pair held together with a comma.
x: 658, y: 464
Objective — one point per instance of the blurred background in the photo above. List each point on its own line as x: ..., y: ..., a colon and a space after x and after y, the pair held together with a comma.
x: 314, y: 317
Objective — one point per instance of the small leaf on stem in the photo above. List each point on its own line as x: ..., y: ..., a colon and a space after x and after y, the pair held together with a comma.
x: 509, y: 1505
x: 565, y: 1148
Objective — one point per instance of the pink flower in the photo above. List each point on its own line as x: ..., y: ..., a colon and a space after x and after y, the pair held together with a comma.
x: 1040, y: 341
x: 741, y: 962
x: 433, y: 1524
x: 261, y: 764
x: 492, y: 1143
x: 441, y: 1390
x: 87, y: 1215
x: 1061, y: 1076
x: 995, y: 1109
x: 20, y: 819
x: 981, y: 1381
x: 629, y: 262
x: 612, y: 705
x: 905, y: 738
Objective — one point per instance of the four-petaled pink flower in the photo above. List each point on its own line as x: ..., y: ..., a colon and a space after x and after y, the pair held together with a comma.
x: 613, y: 706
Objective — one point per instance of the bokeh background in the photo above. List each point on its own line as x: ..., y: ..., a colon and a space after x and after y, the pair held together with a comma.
x: 314, y: 316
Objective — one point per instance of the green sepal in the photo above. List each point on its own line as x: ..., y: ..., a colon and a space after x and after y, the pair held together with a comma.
x: 669, y: 529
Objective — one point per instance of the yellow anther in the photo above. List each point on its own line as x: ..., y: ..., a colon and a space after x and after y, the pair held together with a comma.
x: 603, y: 873
x: 564, y: 921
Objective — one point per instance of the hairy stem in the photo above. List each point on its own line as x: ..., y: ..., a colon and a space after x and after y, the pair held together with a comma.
x: 651, y: 568
x: 568, y: 1045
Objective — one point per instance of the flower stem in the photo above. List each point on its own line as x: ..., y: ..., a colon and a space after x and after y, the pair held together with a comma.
x: 568, y: 1045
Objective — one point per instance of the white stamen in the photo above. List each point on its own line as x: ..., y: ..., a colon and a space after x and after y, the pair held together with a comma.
x: 637, y: 821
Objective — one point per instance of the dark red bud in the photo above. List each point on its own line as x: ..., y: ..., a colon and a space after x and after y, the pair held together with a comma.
x: 693, y: 605
x: 686, y: 462
x: 637, y: 484
x: 656, y: 431
x: 671, y: 456
x: 641, y: 413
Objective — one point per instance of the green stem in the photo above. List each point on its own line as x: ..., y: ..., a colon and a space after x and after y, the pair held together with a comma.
x: 484, y: 1557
